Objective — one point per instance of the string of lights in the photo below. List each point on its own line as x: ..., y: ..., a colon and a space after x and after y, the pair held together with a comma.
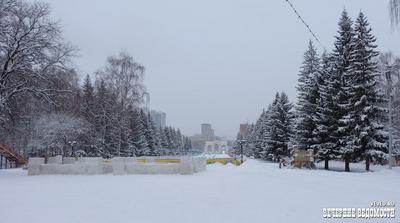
x: 303, y: 21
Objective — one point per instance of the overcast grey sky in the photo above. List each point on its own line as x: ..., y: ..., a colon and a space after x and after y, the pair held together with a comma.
x: 208, y: 61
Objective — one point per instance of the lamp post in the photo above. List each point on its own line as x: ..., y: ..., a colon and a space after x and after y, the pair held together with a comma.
x: 390, y: 133
x: 388, y: 75
x: 241, y: 142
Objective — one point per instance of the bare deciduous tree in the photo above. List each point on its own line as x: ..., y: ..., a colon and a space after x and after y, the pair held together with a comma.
x: 124, y: 76
x: 389, y: 67
x: 394, y: 8
x: 31, y: 48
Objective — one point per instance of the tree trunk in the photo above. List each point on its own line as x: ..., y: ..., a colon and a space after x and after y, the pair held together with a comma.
x: 367, y: 162
x: 347, y: 163
x: 326, y: 164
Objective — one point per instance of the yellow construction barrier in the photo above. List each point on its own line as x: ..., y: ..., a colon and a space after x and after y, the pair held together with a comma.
x: 167, y: 160
x: 162, y: 160
x: 224, y: 161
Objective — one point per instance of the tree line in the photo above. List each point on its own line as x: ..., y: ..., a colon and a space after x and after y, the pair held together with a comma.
x: 269, y: 137
x: 44, y: 108
x: 342, y: 104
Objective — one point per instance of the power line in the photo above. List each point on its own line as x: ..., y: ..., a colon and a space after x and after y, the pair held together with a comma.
x: 304, y: 22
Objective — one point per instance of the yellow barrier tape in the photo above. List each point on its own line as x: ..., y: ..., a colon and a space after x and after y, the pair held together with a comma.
x: 141, y: 160
x: 223, y: 161
x: 167, y: 160
x: 172, y: 160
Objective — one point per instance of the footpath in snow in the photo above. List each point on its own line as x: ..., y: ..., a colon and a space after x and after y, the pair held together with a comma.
x: 256, y: 192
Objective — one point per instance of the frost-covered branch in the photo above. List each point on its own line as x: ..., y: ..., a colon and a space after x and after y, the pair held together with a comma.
x: 31, y: 49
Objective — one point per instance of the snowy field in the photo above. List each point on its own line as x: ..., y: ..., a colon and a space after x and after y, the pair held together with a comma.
x: 255, y: 192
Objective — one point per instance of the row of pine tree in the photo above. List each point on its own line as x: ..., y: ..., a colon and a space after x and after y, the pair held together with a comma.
x: 132, y: 133
x: 340, y: 111
x: 270, y: 136
x: 44, y: 109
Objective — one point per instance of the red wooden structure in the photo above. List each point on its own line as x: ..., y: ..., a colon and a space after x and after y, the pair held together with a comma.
x: 11, y: 156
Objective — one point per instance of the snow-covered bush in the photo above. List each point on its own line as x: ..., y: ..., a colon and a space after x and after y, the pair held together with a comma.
x: 58, y: 133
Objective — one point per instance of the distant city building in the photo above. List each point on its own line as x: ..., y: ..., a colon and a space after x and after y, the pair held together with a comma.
x: 208, y: 141
x: 159, y: 118
x: 244, y: 130
x: 216, y: 147
x: 207, y: 132
x: 197, y: 141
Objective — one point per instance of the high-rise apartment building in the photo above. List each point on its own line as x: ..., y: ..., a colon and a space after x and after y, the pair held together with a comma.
x: 207, y: 132
x: 159, y: 118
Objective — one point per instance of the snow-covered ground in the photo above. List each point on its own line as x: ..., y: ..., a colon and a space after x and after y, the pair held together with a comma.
x: 251, y: 193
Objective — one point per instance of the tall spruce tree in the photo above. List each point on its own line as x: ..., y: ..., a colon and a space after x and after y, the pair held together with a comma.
x: 327, y: 116
x: 342, y: 63
x: 137, y: 129
x: 307, y: 99
x: 280, y: 125
x: 151, y: 134
x: 164, y: 141
x: 104, y: 121
x: 286, y: 118
x: 367, y: 113
x: 187, y: 144
x: 157, y: 141
x: 180, y: 141
x: 264, y: 132
x: 250, y: 141
x: 257, y: 136
x: 169, y: 140
x: 88, y: 100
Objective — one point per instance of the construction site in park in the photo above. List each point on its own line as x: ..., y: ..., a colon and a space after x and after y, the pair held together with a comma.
x: 9, y: 158
x: 116, y: 166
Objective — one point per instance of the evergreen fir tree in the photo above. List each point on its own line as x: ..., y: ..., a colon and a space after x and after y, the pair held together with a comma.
x: 174, y: 143
x: 88, y: 100
x: 342, y: 62
x: 286, y: 117
x: 273, y: 135
x: 327, y: 116
x: 257, y: 137
x: 125, y: 147
x: 138, y: 134
x: 179, y: 141
x: 157, y: 140
x: 366, y: 114
x: 250, y: 141
x: 307, y: 98
x: 264, y: 133
x: 169, y: 140
x: 151, y: 135
x: 164, y: 141
x: 280, y: 125
x: 188, y: 144
x: 148, y: 132
x: 236, y: 147
x: 104, y: 121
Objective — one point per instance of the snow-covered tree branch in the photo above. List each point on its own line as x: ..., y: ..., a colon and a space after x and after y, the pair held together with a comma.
x: 31, y: 49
